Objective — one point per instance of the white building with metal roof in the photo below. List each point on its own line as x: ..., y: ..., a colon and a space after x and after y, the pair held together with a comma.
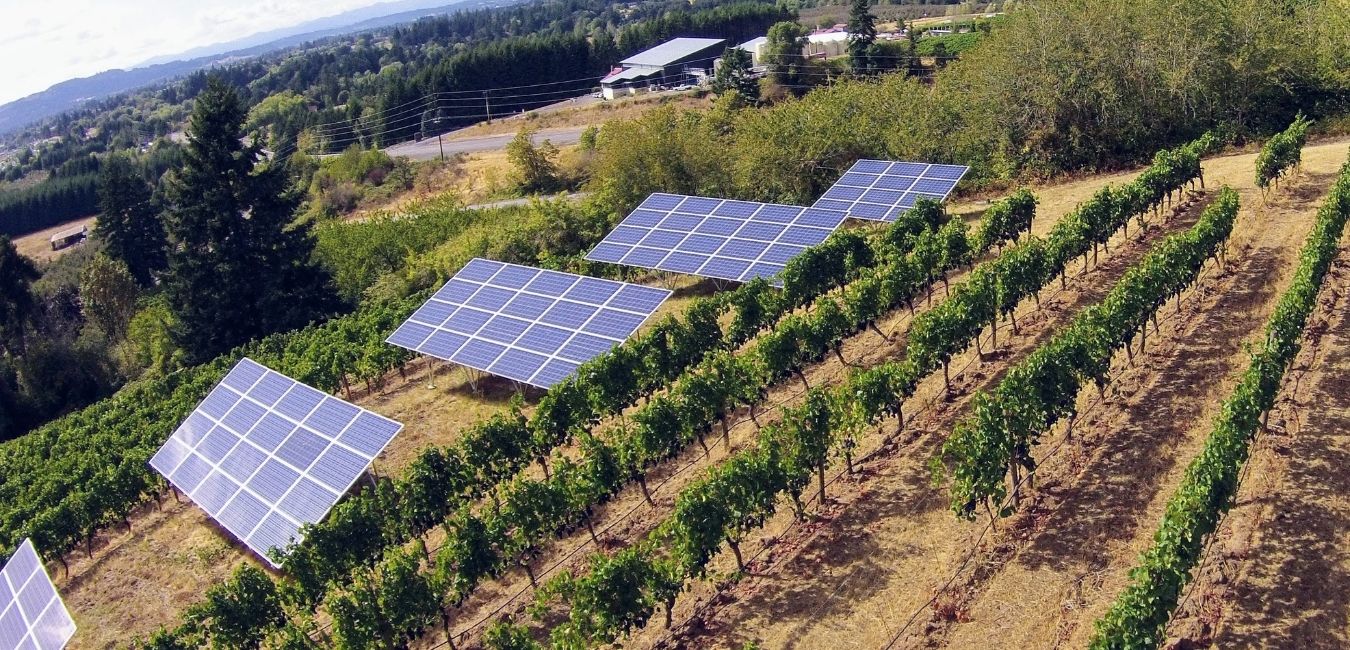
x: 672, y: 63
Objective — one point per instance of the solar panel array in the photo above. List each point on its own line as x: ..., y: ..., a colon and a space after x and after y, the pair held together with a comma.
x: 880, y: 190
x: 715, y: 238
x: 523, y: 323
x: 264, y: 454
x: 32, y: 616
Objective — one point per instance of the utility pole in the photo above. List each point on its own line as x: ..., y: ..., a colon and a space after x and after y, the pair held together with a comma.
x: 437, y: 122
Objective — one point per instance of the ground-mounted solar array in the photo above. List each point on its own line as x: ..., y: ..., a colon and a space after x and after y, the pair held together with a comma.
x: 264, y: 454
x: 530, y: 325
x: 881, y: 190
x: 715, y: 238
x: 32, y: 616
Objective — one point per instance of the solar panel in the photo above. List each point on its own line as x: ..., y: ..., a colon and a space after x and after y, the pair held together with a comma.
x: 880, y: 190
x: 264, y: 454
x: 32, y: 616
x: 715, y: 238
x: 530, y: 325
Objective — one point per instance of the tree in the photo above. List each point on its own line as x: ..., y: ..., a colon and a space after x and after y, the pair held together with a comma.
x: 237, y: 269
x: 109, y: 294
x: 536, y: 165
x: 862, y: 32
x: 940, y: 56
x: 129, y: 226
x: 16, y: 296
x: 733, y: 75
x: 784, y: 52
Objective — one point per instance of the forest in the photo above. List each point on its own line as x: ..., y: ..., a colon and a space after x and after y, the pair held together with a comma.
x: 374, y: 89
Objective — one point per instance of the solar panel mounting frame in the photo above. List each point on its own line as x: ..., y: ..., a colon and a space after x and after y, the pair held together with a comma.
x: 882, y: 190
x: 548, y: 323
x: 26, y: 623
x: 289, y: 447
x: 723, y: 239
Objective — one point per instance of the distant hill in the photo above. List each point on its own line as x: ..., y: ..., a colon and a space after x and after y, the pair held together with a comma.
x: 70, y: 94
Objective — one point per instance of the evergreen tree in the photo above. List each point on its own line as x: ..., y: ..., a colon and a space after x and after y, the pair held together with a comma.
x: 912, y: 37
x: 603, y: 48
x: 16, y: 296
x: 862, y: 32
x: 128, y: 224
x: 237, y: 268
x: 733, y: 74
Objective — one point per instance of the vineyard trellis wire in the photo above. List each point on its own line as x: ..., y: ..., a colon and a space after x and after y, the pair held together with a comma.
x: 621, y: 591
x: 1209, y: 486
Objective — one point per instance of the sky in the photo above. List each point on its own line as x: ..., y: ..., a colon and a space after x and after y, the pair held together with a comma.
x: 43, y: 42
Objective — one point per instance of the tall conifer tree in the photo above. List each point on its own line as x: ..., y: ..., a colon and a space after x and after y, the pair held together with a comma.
x: 862, y: 32
x: 16, y: 296
x: 128, y: 223
x: 238, y: 268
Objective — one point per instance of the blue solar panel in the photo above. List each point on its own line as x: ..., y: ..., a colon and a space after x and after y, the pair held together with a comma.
x: 544, y: 323
x: 264, y: 454
x: 32, y: 616
x: 879, y: 190
x: 714, y: 237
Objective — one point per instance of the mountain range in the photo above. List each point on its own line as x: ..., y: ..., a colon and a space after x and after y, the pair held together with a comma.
x: 70, y: 94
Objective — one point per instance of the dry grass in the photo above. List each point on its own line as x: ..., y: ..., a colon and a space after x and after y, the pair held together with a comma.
x: 37, y: 246
x: 591, y: 114
x: 141, y: 580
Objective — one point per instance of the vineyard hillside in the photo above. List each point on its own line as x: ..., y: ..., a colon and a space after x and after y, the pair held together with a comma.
x: 884, y: 543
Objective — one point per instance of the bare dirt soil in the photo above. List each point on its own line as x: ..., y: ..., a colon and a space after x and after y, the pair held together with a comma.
x: 855, y: 577
x: 1276, y: 576
x: 140, y: 580
x: 819, y: 583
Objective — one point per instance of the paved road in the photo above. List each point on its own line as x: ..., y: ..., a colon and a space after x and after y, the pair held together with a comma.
x: 428, y: 149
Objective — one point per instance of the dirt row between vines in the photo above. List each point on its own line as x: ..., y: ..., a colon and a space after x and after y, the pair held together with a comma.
x: 138, y: 581
x: 868, y: 349
x: 1077, y: 539
x: 628, y: 517
x: 855, y: 577
x: 1276, y: 574
x: 142, y: 579
x: 807, y: 574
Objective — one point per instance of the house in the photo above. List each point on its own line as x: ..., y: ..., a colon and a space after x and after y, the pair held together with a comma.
x: 822, y: 44
x: 825, y: 44
x: 755, y: 47
x: 673, y: 63
x: 68, y: 238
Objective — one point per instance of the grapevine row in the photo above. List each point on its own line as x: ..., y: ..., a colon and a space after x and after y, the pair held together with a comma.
x: 1139, y: 615
x: 1005, y: 424
x: 533, y: 511
x: 621, y: 591
x: 66, y: 480
x: 1282, y: 152
x: 324, y: 558
x: 442, y: 480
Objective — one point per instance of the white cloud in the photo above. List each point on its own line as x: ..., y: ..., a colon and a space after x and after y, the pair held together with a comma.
x: 43, y: 43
